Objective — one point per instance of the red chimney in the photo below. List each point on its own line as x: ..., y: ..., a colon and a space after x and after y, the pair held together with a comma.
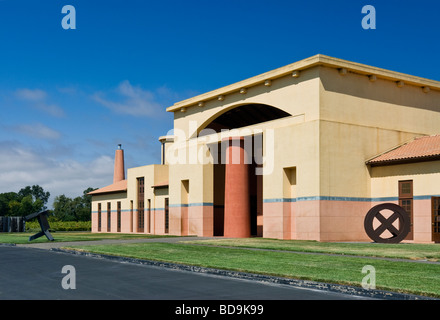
x: 119, y: 173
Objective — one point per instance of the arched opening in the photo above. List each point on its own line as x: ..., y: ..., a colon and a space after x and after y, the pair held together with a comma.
x: 245, y: 115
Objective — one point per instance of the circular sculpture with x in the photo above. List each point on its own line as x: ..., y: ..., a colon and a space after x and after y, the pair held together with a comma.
x: 381, y: 222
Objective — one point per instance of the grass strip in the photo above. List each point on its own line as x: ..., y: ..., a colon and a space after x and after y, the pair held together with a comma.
x: 60, y: 236
x: 429, y: 252
x: 404, y: 277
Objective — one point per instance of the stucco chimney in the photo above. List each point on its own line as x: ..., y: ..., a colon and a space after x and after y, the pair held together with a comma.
x: 119, y: 173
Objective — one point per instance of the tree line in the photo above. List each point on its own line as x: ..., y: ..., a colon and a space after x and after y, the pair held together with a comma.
x: 34, y: 199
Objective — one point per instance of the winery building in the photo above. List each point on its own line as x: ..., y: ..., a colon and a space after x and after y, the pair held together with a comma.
x: 300, y: 152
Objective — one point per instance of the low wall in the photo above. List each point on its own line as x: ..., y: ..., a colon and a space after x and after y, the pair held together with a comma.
x: 12, y: 224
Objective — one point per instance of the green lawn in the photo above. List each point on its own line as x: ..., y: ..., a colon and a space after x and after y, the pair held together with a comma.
x: 429, y: 252
x: 409, y: 277
x: 61, y: 236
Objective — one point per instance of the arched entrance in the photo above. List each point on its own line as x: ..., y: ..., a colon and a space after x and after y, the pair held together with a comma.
x: 243, y: 116
x: 238, y: 190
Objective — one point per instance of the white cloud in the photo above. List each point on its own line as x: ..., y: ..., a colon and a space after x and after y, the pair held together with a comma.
x: 131, y: 100
x: 51, y: 109
x: 37, y: 130
x: 71, y: 90
x: 38, y: 98
x: 21, y: 167
x: 31, y: 95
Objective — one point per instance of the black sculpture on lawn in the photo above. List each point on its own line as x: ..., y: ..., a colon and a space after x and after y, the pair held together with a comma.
x: 397, y: 233
x: 44, y: 224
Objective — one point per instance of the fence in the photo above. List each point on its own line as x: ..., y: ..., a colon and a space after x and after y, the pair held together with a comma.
x: 12, y: 224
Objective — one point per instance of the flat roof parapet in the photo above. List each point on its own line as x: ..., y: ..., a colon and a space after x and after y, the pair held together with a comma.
x: 295, y: 69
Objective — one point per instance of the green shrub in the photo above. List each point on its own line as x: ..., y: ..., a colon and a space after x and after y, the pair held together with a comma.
x: 34, y: 226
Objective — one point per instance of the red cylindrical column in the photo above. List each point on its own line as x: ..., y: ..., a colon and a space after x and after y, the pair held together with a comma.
x: 237, y: 208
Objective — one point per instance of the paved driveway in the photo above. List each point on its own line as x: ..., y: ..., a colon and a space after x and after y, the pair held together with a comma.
x: 30, y: 273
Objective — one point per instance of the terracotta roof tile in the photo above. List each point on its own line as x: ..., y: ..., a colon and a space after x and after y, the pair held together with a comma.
x: 119, y: 186
x: 419, y: 149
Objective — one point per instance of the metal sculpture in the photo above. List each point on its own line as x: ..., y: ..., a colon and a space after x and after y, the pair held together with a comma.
x: 398, y: 233
x: 44, y: 224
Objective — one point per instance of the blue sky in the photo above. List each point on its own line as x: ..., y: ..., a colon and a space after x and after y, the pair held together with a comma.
x: 68, y: 97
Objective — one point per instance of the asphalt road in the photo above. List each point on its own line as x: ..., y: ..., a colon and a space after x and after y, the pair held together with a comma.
x: 31, y: 274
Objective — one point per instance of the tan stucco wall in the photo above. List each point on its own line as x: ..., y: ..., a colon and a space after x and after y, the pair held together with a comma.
x: 153, y: 175
x: 425, y: 176
x: 188, y: 216
x: 287, y: 93
x: 360, y: 119
x: 381, y: 104
x: 344, y: 149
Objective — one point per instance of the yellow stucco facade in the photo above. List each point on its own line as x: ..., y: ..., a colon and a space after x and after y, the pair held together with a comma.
x: 311, y: 127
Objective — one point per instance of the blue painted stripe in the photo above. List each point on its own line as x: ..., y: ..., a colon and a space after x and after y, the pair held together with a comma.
x: 324, y: 198
x: 196, y: 204
x: 202, y: 204
x: 355, y: 199
x: 280, y: 200
x: 424, y: 197
x: 382, y: 199
x: 105, y: 211
x: 272, y: 200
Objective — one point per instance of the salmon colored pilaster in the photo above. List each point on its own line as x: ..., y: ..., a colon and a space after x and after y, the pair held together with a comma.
x: 114, y: 222
x: 135, y: 221
x: 184, y: 221
x: 126, y: 222
x: 159, y: 221
x: 178, y: 215
x: 94, y: 222
x: 237, y: 208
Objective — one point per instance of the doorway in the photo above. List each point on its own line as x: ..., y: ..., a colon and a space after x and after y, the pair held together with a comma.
x: 255, y: 189
x: 436, y: 219
x: 406, y: 201
x: 167, y: 216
